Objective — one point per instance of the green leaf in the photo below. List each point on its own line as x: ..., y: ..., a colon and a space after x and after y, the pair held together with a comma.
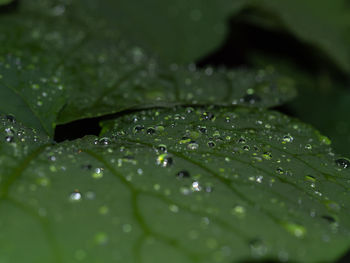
x: 179, y: 31
x: 5, y: 2
x: 54, y: 56
x: 324, y: 24
x: 175, y: 185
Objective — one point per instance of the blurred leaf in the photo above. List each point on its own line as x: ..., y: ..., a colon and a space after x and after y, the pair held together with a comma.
x: 54, y: 55
x: 5, y: 2
x: 178, y: 31
x: 325, y: 24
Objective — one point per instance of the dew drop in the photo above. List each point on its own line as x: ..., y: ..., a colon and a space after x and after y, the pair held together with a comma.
x: 98, y: 173
x: 75, y: 196
x: 295, y: 229
x: 211, y: 144
x: 208, y: 116
x: 193, y: 146
x: 251, y: 98
x: 308, y: 147
x: 258, y: 248
x: 203, y: 130
x: 267, y: 155
x: 195, y: 186
x: 103, y: 141
x: 330, y: 219
x: 164, y: 160
x: 11, y: 118
x: 9, y: 139
x: 343, y: 163
x: 287, y: 138
x: 162, y: 148
x: 151, y: 131
x: 138, y: 128
x: 183, y: 174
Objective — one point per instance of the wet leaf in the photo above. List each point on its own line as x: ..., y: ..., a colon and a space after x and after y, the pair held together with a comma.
x: 175, y: 185
x: 58, y: 64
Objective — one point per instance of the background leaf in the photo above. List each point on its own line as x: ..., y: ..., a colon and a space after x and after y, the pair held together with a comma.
x: 55, y: 55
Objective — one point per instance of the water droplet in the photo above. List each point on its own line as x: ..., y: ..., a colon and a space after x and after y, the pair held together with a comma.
x: 208, y: 116
x: 295, y: 229
x: 280, y: 170
x: 310, y: 178
x: 98, y: 174
x: 103, y: 141
x: 211, y: 144
x: 195, y: 186
x: 238, y: 211
x: 183, y: 174
x: 10, y: 118
x: 75, y: 196
x: 193, y: 146
x: 343, y: 163
x: 258, y: 248
x: 203, y: 130
x: 151, y: 131
x: 101, y: 238
x: 138, y: 128
x: 251, y: 98
x: 267, y: 155
x: 330, y: 219
x: 164, y: 160
x: 10, y: 139
x: 162, y: 148
x: 287, y: 138
x: 308, y: 147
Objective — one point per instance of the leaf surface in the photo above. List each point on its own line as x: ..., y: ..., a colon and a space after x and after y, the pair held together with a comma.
x: 175, y: 185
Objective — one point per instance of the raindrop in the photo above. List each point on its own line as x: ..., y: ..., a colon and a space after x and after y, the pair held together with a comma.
x: 242, y: 140
x: 75, y: 196
x: 162, y: 148
x: 195, y: 186
x: 343, y: 163
x: 183, y: 174
x: 9, y: 139
x: 151, y: 131
x: 257, y: 247
x: 310, y: 178
x: 203, y: 130
x: 295, y: 229
x: 10, y: 118
x: 279, y: 170
x: 138, y: 128
x: 287, y: 138
x: 267, y: 155
x: 208, y: 116
x: 164, y: 160
x: 98, y: 174
x: 251, y: 98
x: 308, y: 147
x: 86, y: 167
x: 193, y: 146
x: 330, y: 219
x: 211, y: 144
x: 103, y: 141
